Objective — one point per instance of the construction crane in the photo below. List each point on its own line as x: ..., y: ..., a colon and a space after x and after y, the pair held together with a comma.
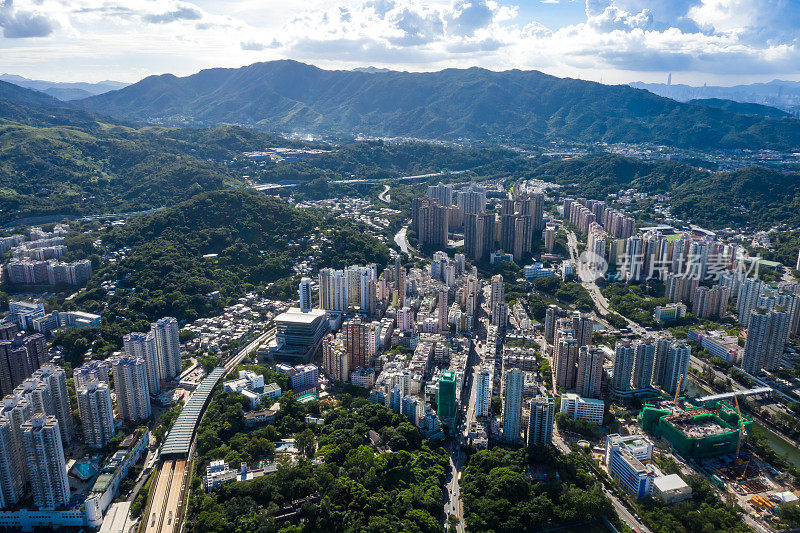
x: 744, y: 472
x: 741, y: 425
x: 677, y: 391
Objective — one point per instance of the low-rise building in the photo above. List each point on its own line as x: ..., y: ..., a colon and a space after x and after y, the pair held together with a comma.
x: 251, y: 386
x: 718, y: 344
x: 302, y: 376
x: 671, y: 489
x: 537, y: 271
x: 217, y: 473
x: 579, y: 408
x: 263, y: 417
x: 362, y: 377
x: 669, y: 313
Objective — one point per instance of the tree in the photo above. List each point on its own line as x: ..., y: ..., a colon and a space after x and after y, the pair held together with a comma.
x: 306, y: 442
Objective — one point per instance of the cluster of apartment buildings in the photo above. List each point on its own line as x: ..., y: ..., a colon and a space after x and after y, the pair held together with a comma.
x: 148, y: 360
x: 520, y: 219
x: 584, y: 214
x: 35, y: 425
x: 35, y: 261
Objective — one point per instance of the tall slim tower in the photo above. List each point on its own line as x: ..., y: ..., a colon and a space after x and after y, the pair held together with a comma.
x: 144, y: 345
x: 747, y: 299
x: 551, y: 315
x: 44, y: 454
x: 565, y: 357
x: 97, y: 413
x: 624, y: 356
x: 168, y: 345
x: 582, y: 328
x: 305, y: 295
x: 12, y: 473
x: 17, y: 409
x: 483, y: 394
x: 446, y: 396
x: 590, y: 372
x: 677, y: 365
x: 130, y: 386
x: 513, y: 382
x: 46, y: 390
x: 443, y: 308
x: 541, y: 419
x: 356, y: 343
x: 766, y: 337
x: 643, y: 364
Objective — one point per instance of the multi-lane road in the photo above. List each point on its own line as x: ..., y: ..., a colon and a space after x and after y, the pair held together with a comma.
x: 163, y: 515
x: 165, y: 510
x: 272, y: 186
x: 602, y: 304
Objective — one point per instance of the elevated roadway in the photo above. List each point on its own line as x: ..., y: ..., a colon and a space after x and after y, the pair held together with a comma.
x: 164, y: 512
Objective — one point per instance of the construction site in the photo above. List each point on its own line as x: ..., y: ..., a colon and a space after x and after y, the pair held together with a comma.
x: 695, y: 431
x: 711, y: 436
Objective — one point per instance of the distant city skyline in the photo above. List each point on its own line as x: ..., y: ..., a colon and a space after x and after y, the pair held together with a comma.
x: 723, y: 42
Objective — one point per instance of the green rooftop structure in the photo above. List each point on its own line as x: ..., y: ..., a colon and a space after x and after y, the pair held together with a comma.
x: 446, y: 397
x: 695, y: 431
x: 305, y: 398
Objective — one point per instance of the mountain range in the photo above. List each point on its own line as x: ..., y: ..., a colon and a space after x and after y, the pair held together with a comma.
x: 57, y: 160
x: 742, y: 108
x: 776, y: 93
x: 515, y: 107
x: 64, y: 91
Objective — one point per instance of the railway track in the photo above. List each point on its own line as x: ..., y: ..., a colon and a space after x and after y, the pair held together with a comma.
x: 164, y: 509
x: 163, y: 514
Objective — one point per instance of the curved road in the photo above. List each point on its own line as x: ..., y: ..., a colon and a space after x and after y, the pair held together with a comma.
x: 164, y: 511
x: 385, y: 197
x: 602, y: 304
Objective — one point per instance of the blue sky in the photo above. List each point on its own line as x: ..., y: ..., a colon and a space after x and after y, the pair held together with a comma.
x: 617, y: 41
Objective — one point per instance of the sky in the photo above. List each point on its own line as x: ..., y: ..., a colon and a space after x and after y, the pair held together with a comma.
x: 724, y: 42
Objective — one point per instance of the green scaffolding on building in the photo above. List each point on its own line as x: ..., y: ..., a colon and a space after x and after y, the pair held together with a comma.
x: 696, y: 431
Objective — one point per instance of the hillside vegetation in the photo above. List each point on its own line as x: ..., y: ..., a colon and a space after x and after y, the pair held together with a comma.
x: 226, y: 241
x: 517, y: 107
x: 56, y: 160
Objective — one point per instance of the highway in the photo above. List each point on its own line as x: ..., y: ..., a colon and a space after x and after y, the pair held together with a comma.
x: 457, y: 459
x: 271, y: 186
x: 234, y: 361
x: 384, y: 196
x: 164, y: 512
x: 602, y: 304
x: 165, y: 508
x: 401, y: 239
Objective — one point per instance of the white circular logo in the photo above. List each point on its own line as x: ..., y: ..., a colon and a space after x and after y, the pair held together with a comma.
x: 591, y: 266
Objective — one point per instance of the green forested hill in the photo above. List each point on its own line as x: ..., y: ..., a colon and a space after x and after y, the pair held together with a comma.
x: 250, y: 241
x: 73, y: 171
x: 517, y: 107
x: 55, y: 160
x: 744, y: 108
x: 257, y: 239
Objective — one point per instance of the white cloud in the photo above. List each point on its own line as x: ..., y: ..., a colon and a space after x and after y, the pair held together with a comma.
x: 21, y: 23
x: 182, y: 12
x: 618, y: 39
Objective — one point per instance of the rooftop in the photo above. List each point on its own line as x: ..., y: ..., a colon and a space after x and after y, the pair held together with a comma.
x: 295, y: 315
x: 669, y: 483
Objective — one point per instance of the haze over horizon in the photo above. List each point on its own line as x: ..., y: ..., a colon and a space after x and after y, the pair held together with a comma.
x: 719, y: 42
